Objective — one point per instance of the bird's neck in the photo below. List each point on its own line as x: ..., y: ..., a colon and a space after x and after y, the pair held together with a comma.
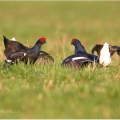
x: 37, y: 47
x: 79, y: 49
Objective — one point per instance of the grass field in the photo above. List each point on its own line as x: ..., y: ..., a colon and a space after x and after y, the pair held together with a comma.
x: 51, y: 91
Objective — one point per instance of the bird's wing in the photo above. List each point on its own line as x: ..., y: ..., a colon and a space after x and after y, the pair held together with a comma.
x: 118, y: 51
x: 68, y: 62
x: 44, y: 58
x: 97, y: 48
x: 114, y: 49
x: 76, y: 60
x: 17, y: 55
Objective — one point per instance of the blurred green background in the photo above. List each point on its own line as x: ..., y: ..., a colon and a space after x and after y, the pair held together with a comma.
x: 91, y: 22
x: 51, y: 91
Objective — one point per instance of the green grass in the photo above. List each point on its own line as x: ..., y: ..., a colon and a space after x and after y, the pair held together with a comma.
x: 51, y: 91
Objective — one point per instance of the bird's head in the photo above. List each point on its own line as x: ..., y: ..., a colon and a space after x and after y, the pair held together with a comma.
x: 78, y: 46
x: 75, y: 41
x: 42, y: 40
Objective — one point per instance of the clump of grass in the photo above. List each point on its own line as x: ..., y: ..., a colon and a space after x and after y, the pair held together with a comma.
x: 65, y: 90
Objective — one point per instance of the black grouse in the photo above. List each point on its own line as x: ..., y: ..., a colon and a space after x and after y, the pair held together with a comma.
x: 80, y: 58
x: 14, y: 46
x: 112, y: 49
x: 79, y: 49
x: 30, y: 55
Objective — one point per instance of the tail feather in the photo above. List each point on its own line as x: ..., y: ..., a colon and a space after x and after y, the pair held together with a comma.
x: 5, y: 41
x: 105, y: 58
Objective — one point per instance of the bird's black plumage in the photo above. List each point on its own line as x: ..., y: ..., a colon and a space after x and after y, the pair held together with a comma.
x: 13, y: 46
x: 76, y: 61
x: 32, y: 54
x: 15, y: 50
x: 80, y: 58
x: 112, y: 49
x: 44, y: 58
x: 80, y: 49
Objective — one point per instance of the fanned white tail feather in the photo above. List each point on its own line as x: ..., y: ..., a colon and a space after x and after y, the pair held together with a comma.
x: 105, y: 58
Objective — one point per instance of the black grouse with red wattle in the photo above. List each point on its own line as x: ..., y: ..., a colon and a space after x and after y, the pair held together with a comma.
x: 14, y: 46
x: 30, y: 55
x: 80, y: 58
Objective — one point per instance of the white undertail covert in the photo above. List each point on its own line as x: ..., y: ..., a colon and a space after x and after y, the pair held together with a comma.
x: 105, y: 58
